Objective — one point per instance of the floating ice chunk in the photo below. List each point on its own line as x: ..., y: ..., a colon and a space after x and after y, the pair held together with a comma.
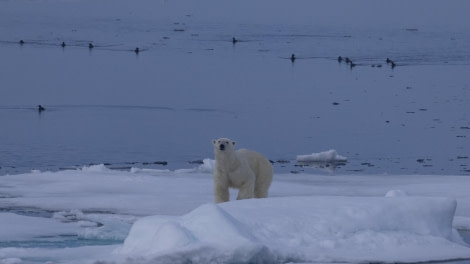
x: 326, y: 156
x: 303, y: 229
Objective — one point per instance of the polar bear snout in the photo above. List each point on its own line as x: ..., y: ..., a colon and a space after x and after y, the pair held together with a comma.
x: 223, y: 144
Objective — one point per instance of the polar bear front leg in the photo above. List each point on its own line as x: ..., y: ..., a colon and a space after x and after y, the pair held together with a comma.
x: 247, y: 190
x: 221, y: 185
x: 221, y: 193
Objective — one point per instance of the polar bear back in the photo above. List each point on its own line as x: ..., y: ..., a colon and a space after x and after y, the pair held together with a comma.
x: 255, y: 160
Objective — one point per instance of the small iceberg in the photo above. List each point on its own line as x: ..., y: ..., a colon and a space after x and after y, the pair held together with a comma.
x: 329, y: 156
x: 326, y: 160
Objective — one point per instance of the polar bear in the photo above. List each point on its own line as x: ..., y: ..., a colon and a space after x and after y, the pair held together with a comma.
x: 242, y: 169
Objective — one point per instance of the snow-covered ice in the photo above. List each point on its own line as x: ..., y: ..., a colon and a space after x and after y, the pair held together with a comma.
x: 303, y: 229
x: 147, y: 216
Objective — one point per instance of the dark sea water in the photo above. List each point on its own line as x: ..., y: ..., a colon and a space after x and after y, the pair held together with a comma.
x: 190, y: 84
x: 412, y: 119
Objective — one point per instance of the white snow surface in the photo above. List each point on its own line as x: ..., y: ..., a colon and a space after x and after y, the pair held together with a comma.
x: 162, y: 216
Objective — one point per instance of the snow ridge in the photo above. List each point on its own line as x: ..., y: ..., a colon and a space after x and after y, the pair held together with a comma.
x: 305, y: 229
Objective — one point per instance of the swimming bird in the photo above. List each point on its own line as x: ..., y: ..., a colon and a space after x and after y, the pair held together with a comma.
x: 292, y: 57
x: 340, y: 59
x: 90, y: 46
x: 21, y: 42
x: 234, y: 40
x: 347, y: 60
x: 41, y: 108
x: 63, y: 44
x: 393, y: 64
x: 388, y: 60
x: 137, y: 50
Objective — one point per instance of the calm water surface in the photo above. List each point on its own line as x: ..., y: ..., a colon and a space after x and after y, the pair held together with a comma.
x: 165, y: 104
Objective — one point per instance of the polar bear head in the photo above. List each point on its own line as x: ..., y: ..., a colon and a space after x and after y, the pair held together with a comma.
x: 223, y: 144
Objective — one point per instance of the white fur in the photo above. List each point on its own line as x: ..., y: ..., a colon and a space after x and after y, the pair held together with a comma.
x: 242, y: 169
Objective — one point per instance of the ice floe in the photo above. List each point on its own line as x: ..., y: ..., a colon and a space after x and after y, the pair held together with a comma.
x: 325, y: 156
x: 143, y: 215
x: 302, y: 229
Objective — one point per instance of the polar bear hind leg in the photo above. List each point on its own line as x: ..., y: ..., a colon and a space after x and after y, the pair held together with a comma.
x: 263, y: 180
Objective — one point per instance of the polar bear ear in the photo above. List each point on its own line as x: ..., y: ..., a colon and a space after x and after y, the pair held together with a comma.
x: 233, y: 143
x: 214, y: 141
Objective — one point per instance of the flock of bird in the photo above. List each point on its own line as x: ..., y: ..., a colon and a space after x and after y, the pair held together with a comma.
x: 235, y: 40
x: 351, y: 64
x: 90, y: 46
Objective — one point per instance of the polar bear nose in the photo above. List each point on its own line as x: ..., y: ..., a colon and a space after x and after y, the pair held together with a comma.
x: 222, y: 147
